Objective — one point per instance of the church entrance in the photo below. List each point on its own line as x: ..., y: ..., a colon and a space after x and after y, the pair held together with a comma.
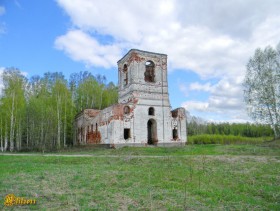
x: 152, y: 131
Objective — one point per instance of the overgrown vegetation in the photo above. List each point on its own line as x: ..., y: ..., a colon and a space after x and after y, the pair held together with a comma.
x: 202, y: 132
x: 195, y: 177
x: 225, y: 139
x: 196, y: 126
x: 38, y: 113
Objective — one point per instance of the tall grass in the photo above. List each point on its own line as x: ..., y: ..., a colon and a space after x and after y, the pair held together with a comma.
x: 225, y: 139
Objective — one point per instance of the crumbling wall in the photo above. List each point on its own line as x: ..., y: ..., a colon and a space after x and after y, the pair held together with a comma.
x: 142, y: 86
x: 179, y: 124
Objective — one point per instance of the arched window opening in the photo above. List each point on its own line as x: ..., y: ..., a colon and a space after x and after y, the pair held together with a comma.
x: 150, y: 71
x: 151, y: 111
x: 126, y: 110
x: 125, y: 74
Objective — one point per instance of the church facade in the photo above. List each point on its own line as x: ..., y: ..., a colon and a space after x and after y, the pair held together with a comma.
x: 143, y: 115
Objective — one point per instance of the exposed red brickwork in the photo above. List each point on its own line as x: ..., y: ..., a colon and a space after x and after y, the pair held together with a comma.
x: 93, y: 137
x: 135, y: 57
x: 92, y: 112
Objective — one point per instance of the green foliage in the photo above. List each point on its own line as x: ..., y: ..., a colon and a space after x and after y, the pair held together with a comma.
x: 37, y: 114
x: 225, y: 139
x: 12, y: 107
x: 235, y: 129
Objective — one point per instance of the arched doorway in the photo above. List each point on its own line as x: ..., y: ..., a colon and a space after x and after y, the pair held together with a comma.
x: 175, y: 134
x: 152, y: 131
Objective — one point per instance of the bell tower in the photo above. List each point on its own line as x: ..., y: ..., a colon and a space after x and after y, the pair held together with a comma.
x: 143, y: 75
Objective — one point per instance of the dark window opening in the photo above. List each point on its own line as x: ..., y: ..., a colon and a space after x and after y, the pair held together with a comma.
x: 126, y: 110
x: 175, y: 114
x: 150, y: 71
x: 152, y: 132
x: 126, y: 74
x: 96, y: 129
x: 175, y: 134
x: 126, y: 134
x: 125, y: 68
x: 151, y: 111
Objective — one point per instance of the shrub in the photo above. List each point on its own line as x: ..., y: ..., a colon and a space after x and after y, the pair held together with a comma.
x: 225, y: 139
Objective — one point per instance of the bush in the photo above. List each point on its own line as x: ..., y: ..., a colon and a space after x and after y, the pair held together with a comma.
x: 225, y: 139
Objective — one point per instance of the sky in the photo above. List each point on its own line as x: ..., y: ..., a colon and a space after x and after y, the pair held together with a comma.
x: 208, y: 43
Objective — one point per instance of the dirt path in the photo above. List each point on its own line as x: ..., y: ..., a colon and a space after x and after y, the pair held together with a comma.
x: 89, y: 155
x: 227, y: 158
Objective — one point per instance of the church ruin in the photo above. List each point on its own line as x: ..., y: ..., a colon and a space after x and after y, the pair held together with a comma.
x: 143, y: 114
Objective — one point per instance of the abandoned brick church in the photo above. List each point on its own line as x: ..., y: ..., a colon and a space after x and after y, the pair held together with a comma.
x: 143, y: 115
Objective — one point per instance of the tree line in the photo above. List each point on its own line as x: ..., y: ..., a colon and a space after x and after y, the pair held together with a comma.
x: 197, y: 126
x: 38, y: 113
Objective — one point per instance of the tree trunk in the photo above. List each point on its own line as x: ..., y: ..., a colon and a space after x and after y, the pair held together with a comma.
x: 42, y: 135
x: 12, y: 125
x: 6, y: 138
x: 276, y: 114
x: 58, y: 122
x: 65, y: 124
x: 18, y: 137
x: 27, y: 131
x: 101, y: 99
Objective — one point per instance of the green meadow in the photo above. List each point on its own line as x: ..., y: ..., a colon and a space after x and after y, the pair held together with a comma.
x: 194, y: 177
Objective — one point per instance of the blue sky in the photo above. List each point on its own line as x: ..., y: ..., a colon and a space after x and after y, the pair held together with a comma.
x: 208, y: 43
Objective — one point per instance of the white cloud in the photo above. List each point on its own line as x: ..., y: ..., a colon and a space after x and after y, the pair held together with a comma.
x: 196, y: 105
x: 225, y: 101
x: 81, y: 47
x: 200, y: 87
x: 211, y: 38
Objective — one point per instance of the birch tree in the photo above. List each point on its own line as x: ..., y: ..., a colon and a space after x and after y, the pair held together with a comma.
x: 62, y: 102
x: 262, y: 87
x: 13, y: 103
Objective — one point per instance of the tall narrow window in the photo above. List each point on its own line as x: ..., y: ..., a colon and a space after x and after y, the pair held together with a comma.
x: 150, y: 71
x: 125, y: 71
x: 151, y: 111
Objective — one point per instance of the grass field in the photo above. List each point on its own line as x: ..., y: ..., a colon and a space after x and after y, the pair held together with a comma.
x: 194, y: 177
